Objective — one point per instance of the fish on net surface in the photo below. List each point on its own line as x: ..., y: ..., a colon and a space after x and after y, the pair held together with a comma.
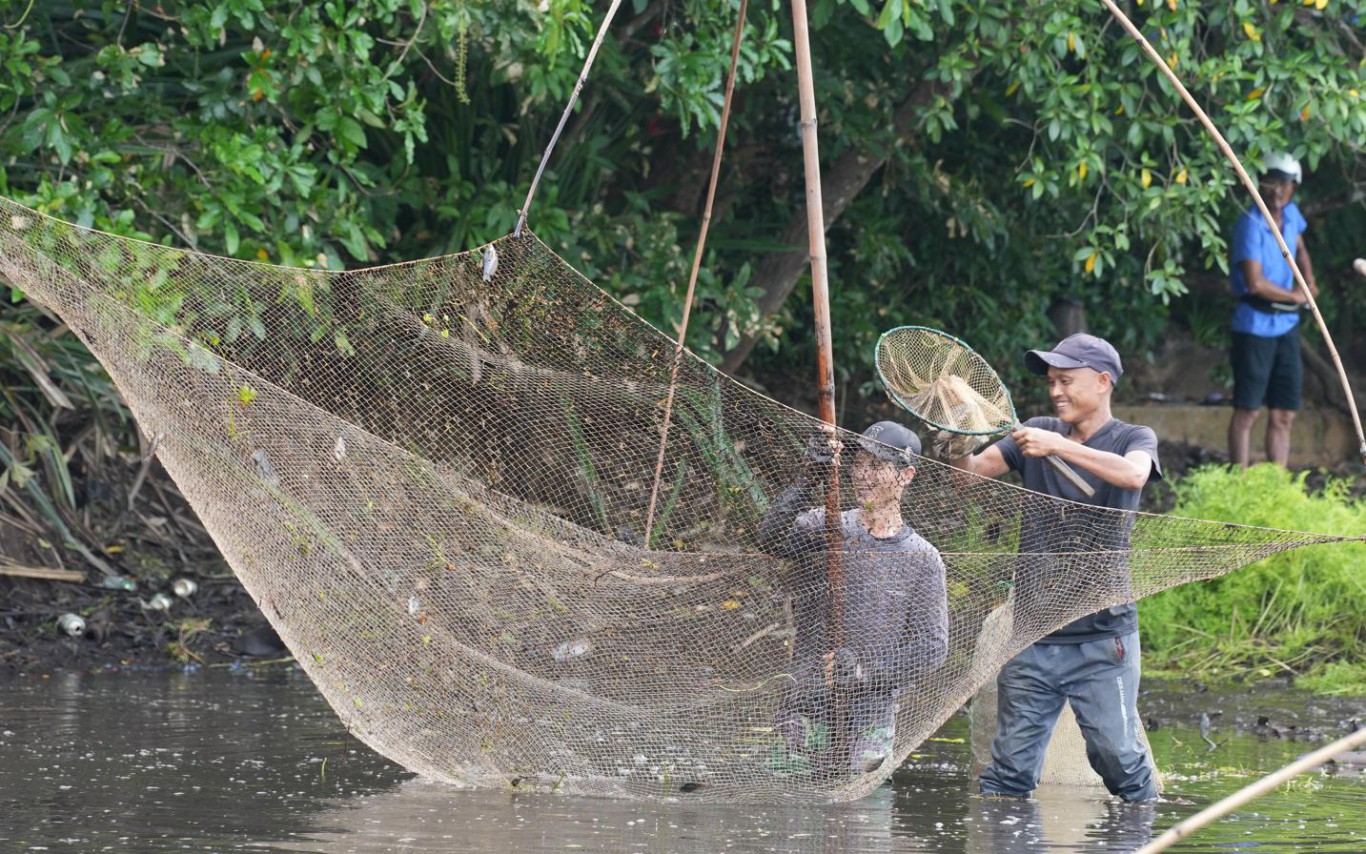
x: 435, y: 485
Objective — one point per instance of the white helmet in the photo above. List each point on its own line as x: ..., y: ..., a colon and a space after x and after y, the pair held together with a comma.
x: 1283, y: 163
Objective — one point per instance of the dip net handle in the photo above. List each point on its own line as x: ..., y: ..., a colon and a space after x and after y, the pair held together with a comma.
x: 1251, y: 792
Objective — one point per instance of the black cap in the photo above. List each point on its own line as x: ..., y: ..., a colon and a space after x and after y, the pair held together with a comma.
x: 1077, y: 351
x: 890, y: 441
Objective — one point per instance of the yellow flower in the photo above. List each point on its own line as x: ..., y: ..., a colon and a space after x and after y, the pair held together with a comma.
x: 1181, y: 176
x: 1090, y: 262
x: 1251, y: 32
x: 1145, y: 178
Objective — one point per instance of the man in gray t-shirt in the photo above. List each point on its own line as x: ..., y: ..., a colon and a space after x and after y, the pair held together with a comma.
x: 895, y: 603
x: 1092, y: 662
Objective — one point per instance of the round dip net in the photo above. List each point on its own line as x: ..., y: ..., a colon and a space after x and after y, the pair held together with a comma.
x: 434, y: 477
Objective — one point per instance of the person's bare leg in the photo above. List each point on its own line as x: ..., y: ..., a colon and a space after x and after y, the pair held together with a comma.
x: 1278, y: 435
x: 1240, y: 436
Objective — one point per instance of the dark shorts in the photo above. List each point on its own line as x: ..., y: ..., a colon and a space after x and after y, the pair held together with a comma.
x: 1267, y: 371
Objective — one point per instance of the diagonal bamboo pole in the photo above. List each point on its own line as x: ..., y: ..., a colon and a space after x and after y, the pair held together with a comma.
x: 696, y: 266
x: 568, y: 108
x: 1249, y: 793
x: 1261, y: 206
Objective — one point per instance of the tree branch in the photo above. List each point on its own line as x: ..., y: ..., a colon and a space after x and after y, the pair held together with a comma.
x: 777, y: 273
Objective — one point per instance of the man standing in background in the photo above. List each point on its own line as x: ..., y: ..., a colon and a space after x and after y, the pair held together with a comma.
x: 1266, y: 338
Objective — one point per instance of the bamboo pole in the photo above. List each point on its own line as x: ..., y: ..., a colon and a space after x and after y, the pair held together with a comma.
x: 18, y: 571
x: 564, y: 117
x: 820, y: 299
x: 1211, y: 814
x: 1261, y: 206
x: 825, y: 370
x: 696, y: 266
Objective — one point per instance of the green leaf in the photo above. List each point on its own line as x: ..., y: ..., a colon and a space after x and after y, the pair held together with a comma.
x: 350, y: 130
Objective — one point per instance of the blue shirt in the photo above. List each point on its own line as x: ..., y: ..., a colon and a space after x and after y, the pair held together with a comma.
x: 1253, y: 241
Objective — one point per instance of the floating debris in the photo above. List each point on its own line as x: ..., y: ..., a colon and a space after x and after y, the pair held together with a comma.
x: 159, y: 602
x: 339, y: 449
x: 118, y: 582
x: 414, y: 606
x: 264, y: 467
x: 571, y: 649
x: 1204, y: 731
x: 71, y: 624
x: 184, y: 588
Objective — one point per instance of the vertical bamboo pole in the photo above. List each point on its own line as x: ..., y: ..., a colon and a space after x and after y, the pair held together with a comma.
x: 825, y: 364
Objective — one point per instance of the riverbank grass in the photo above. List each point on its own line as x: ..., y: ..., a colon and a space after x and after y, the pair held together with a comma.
x: 1300, y: 613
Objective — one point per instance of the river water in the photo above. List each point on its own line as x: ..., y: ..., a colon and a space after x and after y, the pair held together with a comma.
x: 240, y: 761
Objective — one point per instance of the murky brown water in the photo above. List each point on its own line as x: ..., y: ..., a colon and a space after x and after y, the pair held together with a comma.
x: 228, y: 761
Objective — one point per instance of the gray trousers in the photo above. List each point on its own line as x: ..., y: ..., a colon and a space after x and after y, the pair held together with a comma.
x: 1100, y: 680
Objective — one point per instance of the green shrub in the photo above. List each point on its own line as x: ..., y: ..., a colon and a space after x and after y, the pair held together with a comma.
x: 1301, y: 612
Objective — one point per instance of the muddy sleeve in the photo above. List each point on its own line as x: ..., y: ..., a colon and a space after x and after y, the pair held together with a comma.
x: 779, y: 533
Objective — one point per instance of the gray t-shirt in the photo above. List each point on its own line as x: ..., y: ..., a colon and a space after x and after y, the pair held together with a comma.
x: 895, y: 599
x: 896, y: 616
x: 1050, y: 530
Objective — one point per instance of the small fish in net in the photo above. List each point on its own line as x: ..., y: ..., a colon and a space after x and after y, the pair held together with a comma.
x: 950, y: 400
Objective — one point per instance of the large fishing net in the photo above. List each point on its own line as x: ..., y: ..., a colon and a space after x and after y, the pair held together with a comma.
x: 433, y: 478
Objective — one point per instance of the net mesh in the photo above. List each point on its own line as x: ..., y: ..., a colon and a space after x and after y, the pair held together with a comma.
x: 943, y: 381
x: 434, y: 485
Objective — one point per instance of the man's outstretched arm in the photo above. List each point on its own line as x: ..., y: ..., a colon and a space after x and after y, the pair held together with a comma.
x: 989, y: 463
x: 1129, y: 471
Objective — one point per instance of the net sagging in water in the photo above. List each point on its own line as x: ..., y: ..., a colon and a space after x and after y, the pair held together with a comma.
x: 434, y: 487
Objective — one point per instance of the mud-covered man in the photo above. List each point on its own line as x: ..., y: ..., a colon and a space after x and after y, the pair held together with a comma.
x: 895, y: 604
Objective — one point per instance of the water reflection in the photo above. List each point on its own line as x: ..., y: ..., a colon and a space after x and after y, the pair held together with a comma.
x: 1057, y: 820
x: 230, y: 762
x: 423, y: 816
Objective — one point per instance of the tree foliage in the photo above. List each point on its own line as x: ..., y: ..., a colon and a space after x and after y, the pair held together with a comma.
x: 1013, y: 154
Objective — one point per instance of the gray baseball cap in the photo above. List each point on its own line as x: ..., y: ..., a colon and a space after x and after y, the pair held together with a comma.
x: 890, y: 441
x: 1077, y: 351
